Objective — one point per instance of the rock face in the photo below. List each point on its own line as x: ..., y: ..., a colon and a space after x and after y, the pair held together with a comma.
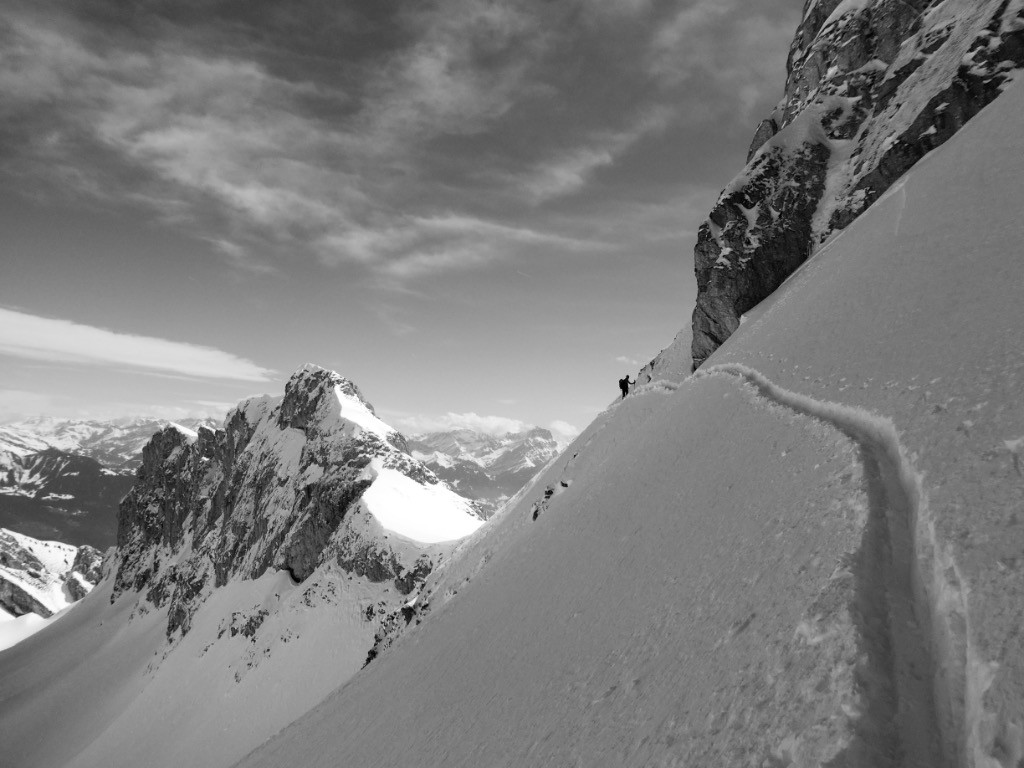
x: 285, y: 485
x: 873, y: 86
x: 43, y: 577
x: 63, y: 479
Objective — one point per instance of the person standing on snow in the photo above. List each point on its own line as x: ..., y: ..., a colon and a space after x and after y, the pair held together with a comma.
x: 625, y: 384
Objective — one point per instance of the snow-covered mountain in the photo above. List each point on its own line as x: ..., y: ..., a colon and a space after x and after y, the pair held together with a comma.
x: 62, y: 479
x: 873, y: 86
x: 489, y: 468
x: 63, y: 496
x: 290, y: 484
x: 255, y: 567
x: 116, y: 444
x: 808, y: 553
x: 39, y: 579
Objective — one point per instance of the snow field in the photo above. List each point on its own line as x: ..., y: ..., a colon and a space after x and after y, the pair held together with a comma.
x: 354, y: 411
x: 425, y: 513
x: 574, y: 624
x: 15, y: 629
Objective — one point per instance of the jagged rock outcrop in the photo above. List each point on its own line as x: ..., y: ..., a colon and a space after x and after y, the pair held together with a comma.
x: 43, y: 577
x: 873, y: 86
x: 291, y: 483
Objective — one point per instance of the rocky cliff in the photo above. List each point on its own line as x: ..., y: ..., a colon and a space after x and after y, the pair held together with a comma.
x: 62, y: 479
x: 44, y: 577
x: 295, y: 483
x: 872, y: 87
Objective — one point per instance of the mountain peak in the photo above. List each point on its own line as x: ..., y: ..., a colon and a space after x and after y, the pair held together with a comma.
x: 316, y: 397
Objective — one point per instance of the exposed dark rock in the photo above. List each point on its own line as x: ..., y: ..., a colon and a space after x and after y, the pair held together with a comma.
x: 89, y: 563
x: 31, y: 569
x: 17, y: 601
x: 277, y: 488
x: 765, y: 130
x: 869, y: 92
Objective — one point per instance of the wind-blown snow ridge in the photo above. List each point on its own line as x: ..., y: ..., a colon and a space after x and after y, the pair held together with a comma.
x: 959, y: 678
x: 663, y: 386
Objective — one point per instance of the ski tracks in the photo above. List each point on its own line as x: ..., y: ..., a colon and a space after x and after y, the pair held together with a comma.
x: 913, y: 600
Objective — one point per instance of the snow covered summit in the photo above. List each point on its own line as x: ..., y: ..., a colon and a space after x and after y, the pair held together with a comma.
x: 291, y: 483
x: 255, y: 566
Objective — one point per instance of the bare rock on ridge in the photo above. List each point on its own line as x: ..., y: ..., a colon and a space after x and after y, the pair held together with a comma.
x: 872, y: 87
x: 44, y: 577
x: 279, y: 487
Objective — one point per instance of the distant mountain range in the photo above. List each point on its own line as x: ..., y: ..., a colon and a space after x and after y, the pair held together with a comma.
x: 487, y: 468
x: 62, y: 479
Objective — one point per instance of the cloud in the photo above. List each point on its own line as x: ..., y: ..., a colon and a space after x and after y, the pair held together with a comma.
x: 734, y: 49
x: 18, y: 403
x: 243, y: 154
x: 570, y: 172
x: 411, y: 140
x: 490, y: 425
x: 63, y: 341
x: 563, y: 428
x: 215, y: 408
x: 627, y: 361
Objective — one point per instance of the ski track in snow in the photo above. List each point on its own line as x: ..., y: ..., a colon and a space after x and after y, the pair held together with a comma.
x: 915, y: 590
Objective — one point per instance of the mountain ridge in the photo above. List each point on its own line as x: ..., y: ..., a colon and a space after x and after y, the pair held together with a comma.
x: 872, y: 87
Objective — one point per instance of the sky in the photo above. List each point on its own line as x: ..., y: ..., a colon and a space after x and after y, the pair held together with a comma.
x: 483, y: 213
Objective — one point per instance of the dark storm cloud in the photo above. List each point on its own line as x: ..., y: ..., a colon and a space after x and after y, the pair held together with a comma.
x: 408, y: 138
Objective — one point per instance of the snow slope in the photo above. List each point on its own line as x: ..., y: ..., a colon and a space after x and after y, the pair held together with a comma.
x: 810, y: 553
x: 14, y: 629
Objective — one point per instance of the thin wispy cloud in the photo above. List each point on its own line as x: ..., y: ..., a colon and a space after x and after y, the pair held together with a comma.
x: 563, y: 428
x: 569, y: 172
x: 437, y: 147
x: 490, y: 425
x: 19, y: 403
x: 54, y: 340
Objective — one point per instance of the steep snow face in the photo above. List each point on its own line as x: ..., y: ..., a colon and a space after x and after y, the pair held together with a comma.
x: 428, y: 513
x: 873, y: 86
x: 807, y: 555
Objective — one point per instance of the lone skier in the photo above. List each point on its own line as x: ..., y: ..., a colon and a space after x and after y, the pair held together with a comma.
x: 625, y: 384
